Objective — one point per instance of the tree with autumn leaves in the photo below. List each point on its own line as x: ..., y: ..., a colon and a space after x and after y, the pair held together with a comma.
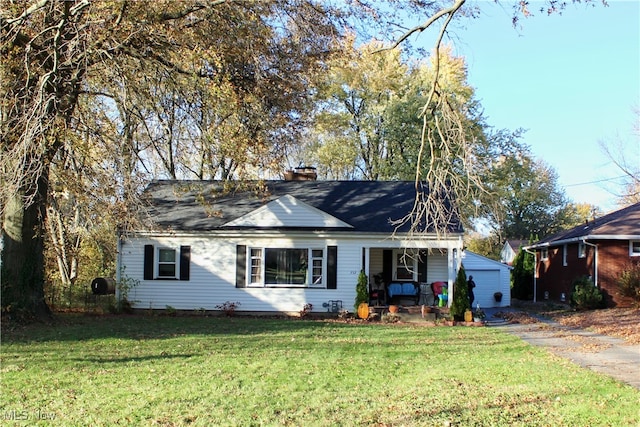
x: 96, y: 94
x: 98, y: 97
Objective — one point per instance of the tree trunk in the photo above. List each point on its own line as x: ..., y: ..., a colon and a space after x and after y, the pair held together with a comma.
x: 65, y: 241
x: 22, y: 259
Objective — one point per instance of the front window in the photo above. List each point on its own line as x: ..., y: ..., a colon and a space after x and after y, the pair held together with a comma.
x: 287, y: 267
x: 404, y: 265
x: 634, y: 248
x: 167, y: 263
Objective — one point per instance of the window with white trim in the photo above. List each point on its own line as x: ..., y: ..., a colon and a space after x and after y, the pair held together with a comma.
x: 634, y: 248
x: 317, y: 266
x: 582, y: 250
x: 273, y: 267
x: 405, y: 264
x: 544, y: 254
x: 256, y: 266
x: 167, y: 264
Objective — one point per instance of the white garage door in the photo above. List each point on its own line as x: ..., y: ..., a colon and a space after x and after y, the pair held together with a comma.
x: 487, y: 283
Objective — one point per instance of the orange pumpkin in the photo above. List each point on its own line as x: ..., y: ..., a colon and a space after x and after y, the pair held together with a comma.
x: 363, y: 310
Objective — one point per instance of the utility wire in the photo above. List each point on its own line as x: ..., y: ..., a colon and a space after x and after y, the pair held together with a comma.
x: 596, y: 182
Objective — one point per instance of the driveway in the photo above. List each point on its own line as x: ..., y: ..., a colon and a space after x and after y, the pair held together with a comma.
x: 607, y: 355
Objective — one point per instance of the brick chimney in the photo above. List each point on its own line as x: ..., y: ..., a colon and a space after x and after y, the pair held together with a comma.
x: 301, y: 173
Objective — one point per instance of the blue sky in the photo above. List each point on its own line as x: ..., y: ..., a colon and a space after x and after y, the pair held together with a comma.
x: 571, y: 80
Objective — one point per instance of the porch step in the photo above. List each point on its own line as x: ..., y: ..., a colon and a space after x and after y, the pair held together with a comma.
x: 496, y: 322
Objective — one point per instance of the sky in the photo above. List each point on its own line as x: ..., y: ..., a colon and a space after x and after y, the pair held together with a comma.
x: 569, y: 80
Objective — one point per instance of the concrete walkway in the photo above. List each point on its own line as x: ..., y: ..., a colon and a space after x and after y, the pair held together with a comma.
x: 604, y: 354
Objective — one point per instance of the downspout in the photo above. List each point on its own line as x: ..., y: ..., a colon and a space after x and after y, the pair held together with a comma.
x: 118, y: 264
x: 457, y: 263
x: 595, y: 261
x: 452, y: 271
x: 535, y: 273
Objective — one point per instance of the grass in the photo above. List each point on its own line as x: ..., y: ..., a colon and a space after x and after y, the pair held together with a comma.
x: 145, y: 370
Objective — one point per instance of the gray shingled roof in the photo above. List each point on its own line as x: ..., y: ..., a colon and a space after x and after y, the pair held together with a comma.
x: 623, y: 223
x: 207, y: 205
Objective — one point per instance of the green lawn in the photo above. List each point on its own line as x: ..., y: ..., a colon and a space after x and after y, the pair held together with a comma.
x: 145, y: 370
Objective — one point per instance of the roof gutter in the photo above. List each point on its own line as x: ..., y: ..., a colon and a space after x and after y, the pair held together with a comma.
x: 299, y: 233
x: 582, y: 239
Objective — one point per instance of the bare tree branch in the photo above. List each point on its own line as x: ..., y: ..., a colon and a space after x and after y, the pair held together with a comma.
x: 30, y: 10
x: 450, y: 11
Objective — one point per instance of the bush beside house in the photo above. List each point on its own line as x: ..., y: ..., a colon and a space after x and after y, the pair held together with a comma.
x: 460, y: 302
x: 362, y: 290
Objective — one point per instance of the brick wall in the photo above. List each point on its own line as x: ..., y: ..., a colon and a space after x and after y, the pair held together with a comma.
x: 555, y: 276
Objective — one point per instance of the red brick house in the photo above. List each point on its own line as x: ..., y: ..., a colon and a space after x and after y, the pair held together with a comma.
x: 600, y: 249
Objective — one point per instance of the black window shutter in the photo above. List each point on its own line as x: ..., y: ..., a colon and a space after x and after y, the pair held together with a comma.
x: 387, y: 266
x: 185, y: 261
x: 241, y: 266
x: 422, y: 266
x: 332, y: 267
x: 148, y: 262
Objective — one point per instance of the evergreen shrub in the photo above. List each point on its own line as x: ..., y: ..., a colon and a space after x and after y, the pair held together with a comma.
x: 460, y: 302
x: 585, y: 294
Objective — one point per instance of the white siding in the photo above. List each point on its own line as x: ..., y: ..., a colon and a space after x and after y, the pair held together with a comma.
x: 437, y: 267
x: 507, y: 254
x: 213, y: 272
x: 212, y: 278
x: 287, y: 211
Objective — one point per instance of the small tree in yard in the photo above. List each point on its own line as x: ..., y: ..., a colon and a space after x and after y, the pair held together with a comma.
x: 460, y: 302
x: 522, y: 276
x: 362, y: 289
x: 629, y: 281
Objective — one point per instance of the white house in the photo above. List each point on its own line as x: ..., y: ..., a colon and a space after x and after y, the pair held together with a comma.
x: 510, y: 249
x: 490, y: 277
x: 274, y: 246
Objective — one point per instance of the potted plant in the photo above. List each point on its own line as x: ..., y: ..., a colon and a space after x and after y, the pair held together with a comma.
x: 497, y: 296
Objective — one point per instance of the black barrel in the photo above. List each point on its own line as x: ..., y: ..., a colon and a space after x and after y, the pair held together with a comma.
x: 103, y: 286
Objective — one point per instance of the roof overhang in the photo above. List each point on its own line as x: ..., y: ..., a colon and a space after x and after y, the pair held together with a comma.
x: 423, y: 240
x: 582, y: 239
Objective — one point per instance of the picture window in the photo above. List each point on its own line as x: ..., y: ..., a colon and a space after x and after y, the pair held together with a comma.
x: 273, y: 267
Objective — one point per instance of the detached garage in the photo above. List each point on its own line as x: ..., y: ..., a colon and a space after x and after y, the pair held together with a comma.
x: 490, y: 277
